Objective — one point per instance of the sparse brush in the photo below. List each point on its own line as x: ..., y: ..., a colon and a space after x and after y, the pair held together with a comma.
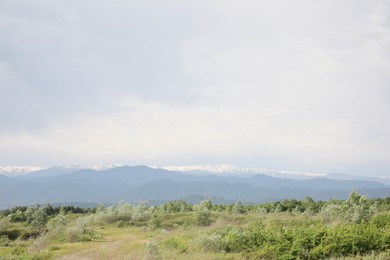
x: 4, y: 241
x: 152, y: 251
x: 177, y: 244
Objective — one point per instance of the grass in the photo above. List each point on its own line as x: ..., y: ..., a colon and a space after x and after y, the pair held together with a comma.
x: 125, y: 232
x: 174, y: 240
x: 131, y: 243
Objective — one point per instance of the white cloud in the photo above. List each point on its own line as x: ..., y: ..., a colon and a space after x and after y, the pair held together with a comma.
x: 301, y: 85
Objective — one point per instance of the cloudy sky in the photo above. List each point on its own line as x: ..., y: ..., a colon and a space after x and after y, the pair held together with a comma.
x: 295, y: 85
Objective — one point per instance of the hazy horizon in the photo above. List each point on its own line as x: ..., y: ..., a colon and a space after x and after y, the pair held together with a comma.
x: 293, y: 85
x: 15, y: 170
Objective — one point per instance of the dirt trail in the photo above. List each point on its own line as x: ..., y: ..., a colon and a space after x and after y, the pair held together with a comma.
x: 108, y: 250
x: 97, y: 252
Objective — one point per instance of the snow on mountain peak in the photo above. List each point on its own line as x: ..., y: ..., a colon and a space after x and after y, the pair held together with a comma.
x: 24, y: 170
x: 97, y: 167
x: 20, y: 169
x: 103, y: 167
x: 228, y: 169
x: 223, y: 168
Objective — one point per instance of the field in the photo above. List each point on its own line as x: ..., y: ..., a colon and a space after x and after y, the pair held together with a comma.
x: 291, y: 229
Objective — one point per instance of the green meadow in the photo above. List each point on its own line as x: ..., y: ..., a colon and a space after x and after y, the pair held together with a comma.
x: 291, y: 229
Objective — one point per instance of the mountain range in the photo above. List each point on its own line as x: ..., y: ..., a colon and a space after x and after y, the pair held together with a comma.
x: 232, y: 170
x: 139, y: 183
x: 222, y: 170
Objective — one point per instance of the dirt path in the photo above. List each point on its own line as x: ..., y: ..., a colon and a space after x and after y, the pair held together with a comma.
x: 117, y: 243
x: 98, y: 252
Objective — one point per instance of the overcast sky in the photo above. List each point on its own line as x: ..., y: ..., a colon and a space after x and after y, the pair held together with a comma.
x: 293, y: 85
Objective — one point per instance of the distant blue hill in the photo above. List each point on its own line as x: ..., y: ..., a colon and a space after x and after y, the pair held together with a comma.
x: 139, y: 183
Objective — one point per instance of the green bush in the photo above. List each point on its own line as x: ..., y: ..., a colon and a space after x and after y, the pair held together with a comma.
x: 11, y: 234
x: 297, y: 240
x: 381, y: 220
x: 154, y: 222
x: 4, y: 240
x: 202, y: 217
x: 27, y: 234
x: 210, y: 242
x: 152, y: 251
x: 177, y: 244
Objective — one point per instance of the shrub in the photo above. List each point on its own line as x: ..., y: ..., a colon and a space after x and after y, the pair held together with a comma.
x: 11, y: 234
x: 4, y: 240
x: 238, y: 208
x: 152, y: 251
x: 79, y: 231
x: 154, y: 222
x: 121, y: 224
x: 202, y: 217
x: 256, y: 234
x: 228, y: 239
x: 210, y: 242
x: 38, y: 220
x: 177, y: 244
x: 28, y: 234
x: 176, y: 206
x: 357, y: 208
x: 39, y: 244
x: 381, y: 220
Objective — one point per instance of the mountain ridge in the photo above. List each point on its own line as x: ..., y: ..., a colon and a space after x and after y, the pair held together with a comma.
x: 28, y: 172
x: 138, y: 183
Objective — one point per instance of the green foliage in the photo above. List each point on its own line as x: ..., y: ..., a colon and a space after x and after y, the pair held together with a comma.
x: 357, y: 208
x: 256, y: 235
x: 177, y: 244
x: 172, y: 220
x: 298, y: 240
x: 177, y: 206
x: 381, y: 220
x: 38, y: 219
x: 228, y: 239
x: 238, y: 208
x: 289, y: 229
x: 210, y: 242
x: 18, y: 216
x: 79, y: 231
x: 205, y: 204
x: 154, y: 222
x: 4, y: 240
x: 28, y: 234
x: 152, y: 251
x: 202, y: 217
x: 11, y: 234
x: 118, y: 212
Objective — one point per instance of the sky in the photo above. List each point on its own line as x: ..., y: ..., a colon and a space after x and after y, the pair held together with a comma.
x: 292, y: 85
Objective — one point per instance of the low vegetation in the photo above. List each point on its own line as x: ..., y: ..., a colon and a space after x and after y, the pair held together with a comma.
x: 288, y: 229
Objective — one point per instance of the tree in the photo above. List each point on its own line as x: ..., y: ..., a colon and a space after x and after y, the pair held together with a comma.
x: 38, y: 220
x: 155, y: 221
x: 238, y: 208
x: 202, y: 217
x: 357, y: 208
x: 206, y: 204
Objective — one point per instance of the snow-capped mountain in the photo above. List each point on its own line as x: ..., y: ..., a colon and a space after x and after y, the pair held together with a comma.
x: 19, y: 170
x: 232, y: 170
x: 28, y: 172
x: 37, y: 171
x: 103, y: 167
x: 97, y: 167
